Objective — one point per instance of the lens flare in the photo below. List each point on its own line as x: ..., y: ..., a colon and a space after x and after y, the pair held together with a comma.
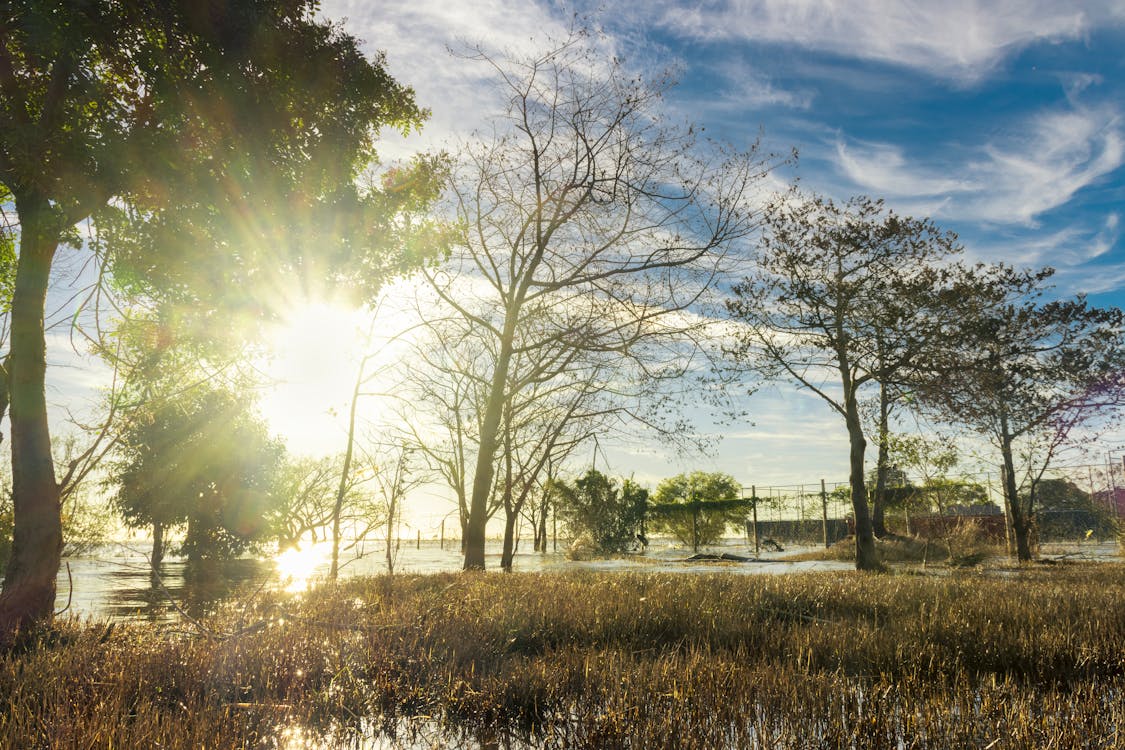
x: 298, y: 565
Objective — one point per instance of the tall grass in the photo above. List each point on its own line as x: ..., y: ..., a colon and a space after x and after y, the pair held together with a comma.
x: 601, y: 661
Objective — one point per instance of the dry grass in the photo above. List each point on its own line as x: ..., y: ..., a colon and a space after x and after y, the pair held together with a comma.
x: 964, y: 547
x: 602, y: 661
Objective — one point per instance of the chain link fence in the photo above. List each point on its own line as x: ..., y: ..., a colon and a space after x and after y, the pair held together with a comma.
x: 1073, y: 503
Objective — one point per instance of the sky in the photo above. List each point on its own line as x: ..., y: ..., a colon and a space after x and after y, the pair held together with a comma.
x: 1002, y: 121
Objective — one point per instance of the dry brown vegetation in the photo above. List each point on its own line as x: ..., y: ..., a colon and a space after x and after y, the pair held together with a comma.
x: 1034, y: 659
x: 965, y: 546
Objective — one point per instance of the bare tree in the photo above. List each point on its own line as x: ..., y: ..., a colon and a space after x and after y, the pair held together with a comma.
x: 590, y: 226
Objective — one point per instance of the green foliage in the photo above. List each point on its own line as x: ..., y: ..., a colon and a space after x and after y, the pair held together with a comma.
x: 8, y: 235
x: 697, y: 508
x: 202, y: 458
x: 594, y: 505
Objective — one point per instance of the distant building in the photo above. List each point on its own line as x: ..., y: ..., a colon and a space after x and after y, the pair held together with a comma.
x: 1113, y: 499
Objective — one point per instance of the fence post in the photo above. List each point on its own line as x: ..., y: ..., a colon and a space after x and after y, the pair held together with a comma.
x: 419, y: 544
x: 824, y: 511
x: 754, y: 508
x: 443, y: 534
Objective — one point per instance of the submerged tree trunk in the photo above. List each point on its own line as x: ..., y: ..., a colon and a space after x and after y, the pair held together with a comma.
x: 29, y: 580
x: 157, y: 545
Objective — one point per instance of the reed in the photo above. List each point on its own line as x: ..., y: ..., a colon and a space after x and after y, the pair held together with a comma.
x: 1031, y: 659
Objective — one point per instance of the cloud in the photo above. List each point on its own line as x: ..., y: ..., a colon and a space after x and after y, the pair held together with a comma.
x: 959, y: 40
x: 744, y: 88
x: 417, y: 36
x: 883, y: 169
x: 1041, y: 169
x: 1036, y: 169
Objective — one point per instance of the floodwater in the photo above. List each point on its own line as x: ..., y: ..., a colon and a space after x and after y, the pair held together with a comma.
x: 116, y: 582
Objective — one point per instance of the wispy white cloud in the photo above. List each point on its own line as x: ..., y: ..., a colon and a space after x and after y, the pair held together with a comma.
x: 417, y: 37
x: 1036, y: 169
x: 746, y: 89
x: 1060, y: 153
x: 884, y: 169
x: 959, y: 40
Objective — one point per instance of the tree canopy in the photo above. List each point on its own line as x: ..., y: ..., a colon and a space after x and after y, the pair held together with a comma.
x: 699, y: 507
x: 848, y: 295
x: 190, y: 121
x: 1030, y: 373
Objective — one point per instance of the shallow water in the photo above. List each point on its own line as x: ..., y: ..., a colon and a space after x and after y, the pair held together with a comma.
x: 116, y: 582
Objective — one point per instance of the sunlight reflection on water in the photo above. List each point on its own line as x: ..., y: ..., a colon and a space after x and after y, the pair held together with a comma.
x: 298, y: 567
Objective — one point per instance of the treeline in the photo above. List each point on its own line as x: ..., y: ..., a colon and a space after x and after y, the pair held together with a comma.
x: 588, y: 266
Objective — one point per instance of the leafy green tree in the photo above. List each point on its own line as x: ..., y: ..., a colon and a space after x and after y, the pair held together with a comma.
x: 699, y: 507
x: 202, y: 459
x: 192, y: 118
x: 595, y: 505
x: 1077, y: 506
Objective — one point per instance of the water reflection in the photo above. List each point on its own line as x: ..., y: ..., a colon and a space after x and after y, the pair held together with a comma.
x: 117, y: 582
x: 197, y: 587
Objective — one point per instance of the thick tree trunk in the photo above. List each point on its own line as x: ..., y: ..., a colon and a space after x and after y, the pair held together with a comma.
x: 157, y: 545
x: 29, y: 581
x: 486, y: 456
x: 1021, y: 521
x: 507, y: 556
x: 865, y: 556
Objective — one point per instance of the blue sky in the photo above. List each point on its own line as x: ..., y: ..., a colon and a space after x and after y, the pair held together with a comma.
x: 1002, y: 121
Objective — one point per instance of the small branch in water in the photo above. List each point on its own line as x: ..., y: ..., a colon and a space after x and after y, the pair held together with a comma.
x: 69, y: 593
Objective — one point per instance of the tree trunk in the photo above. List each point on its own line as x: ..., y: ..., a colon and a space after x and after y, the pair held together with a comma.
x: 345, y: 475
x: 486, y: 455
x: 879, y: 505
x: 29, y: 581
x: 865, y: 556
x: 1021, y: 522
x: 392, y: 552
x: 507, y: 556
x: 544, y: 509
x: 157, y: 545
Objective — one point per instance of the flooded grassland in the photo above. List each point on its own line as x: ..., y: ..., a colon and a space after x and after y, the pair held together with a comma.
x: 599, y: 660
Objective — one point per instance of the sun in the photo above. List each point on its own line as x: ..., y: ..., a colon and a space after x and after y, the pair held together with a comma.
x: 314, y: 353
x: 296, y: 566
